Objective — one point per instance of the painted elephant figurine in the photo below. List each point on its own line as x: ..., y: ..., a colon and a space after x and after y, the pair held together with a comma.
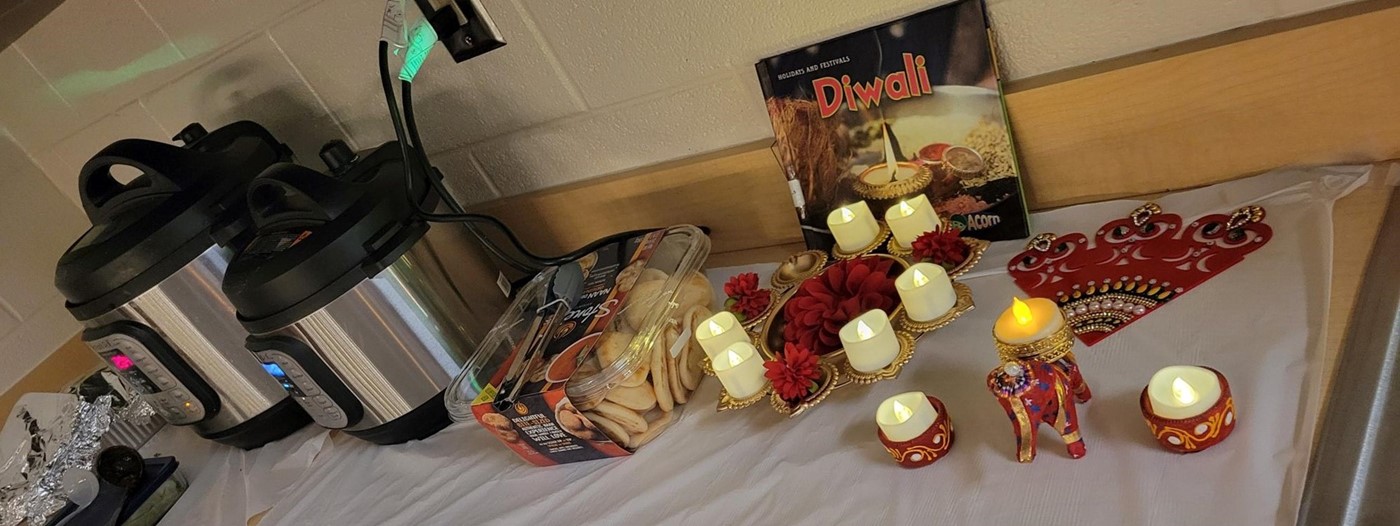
x: 1077, y: 385
x: 1032, y: 392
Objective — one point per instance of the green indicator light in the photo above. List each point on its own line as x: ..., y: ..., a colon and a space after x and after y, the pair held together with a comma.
x: 420, y: 42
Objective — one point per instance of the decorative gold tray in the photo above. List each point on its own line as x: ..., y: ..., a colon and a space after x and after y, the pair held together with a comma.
x: 964, y: 304
x: 798, y: 267
x: 836, y: 370
x: 766, y: 336
x: 976, y: 247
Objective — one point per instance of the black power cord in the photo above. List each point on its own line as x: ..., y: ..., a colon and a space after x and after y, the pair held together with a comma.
x: 408, y: 162
x: 415, y: 154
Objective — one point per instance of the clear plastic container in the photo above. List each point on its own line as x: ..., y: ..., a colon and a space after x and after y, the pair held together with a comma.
x: 621, y: 353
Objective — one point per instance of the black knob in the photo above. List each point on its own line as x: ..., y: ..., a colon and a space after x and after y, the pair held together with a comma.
x: 190, y: 134
x: 338, y: 156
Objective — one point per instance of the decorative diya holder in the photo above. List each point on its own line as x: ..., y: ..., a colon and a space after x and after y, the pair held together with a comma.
x: 926, y: 448
x: 835, y: 369
x: 1198, y: 433
x: 798, y: 267
x: 1038, y: 381
x: 874, y: 183
x: 1057, y: 349
x: 964, y: 303
x: 748, y: 302
x: 884, y: 244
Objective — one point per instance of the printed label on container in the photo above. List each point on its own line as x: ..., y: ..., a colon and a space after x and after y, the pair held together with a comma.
x: 540, y: 423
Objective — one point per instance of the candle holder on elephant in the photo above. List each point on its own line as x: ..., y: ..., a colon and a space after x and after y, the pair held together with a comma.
x: 1056, y: 350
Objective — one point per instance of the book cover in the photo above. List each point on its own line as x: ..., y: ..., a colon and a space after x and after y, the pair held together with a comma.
x: 883, y: 114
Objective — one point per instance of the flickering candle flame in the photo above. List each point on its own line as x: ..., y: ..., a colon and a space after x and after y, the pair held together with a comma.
x: 891, y: 164
x: 853, y: 226
x: 1179, y: 392
x: 719, y: 331
x: 1028, y: 321
x: 906, y: 416
x: 902, y: 413
x: 1020, y: 311
x: 905, y: 210
x: 919, y: 278
x: 863, y: 331
x: 869, y: 341
x: 1183, y: 392
x: 846, y: 215
x: 732, y: 357
x: 910, y: 218
x: 740, y: 370
x: 925, y: 291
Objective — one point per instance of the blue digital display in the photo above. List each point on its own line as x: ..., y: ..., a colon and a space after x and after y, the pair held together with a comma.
x: 281, y: 377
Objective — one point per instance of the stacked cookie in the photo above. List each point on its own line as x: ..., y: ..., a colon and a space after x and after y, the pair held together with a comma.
x: 649, y: 382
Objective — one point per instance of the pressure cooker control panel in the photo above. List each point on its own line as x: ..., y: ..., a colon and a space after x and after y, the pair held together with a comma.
x: 308, y: 380
x: 304, y: 389
x: 164, y: 379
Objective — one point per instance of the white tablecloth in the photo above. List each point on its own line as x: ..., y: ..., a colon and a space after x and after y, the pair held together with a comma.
x: 1261, y: 323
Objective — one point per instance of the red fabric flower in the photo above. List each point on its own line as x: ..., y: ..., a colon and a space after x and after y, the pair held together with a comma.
x: 795, y: 373
x: 745, y: 298
x: 750, y: 306
x: 943, y: 247
x: 824, y: 303
x: 741, y: 285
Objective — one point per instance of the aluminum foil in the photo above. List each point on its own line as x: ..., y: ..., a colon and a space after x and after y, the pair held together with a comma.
x: 58, y: 434
x: 138, y: 411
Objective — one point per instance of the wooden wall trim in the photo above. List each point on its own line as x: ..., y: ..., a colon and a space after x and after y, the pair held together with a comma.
x: 1317, y: 94
x: 1223, y: 38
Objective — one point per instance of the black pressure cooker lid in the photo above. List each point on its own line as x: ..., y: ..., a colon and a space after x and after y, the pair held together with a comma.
x: 186, y: 200
x: 318, y: 236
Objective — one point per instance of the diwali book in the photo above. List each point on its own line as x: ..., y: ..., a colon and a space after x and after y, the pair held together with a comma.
x: 886, y: 113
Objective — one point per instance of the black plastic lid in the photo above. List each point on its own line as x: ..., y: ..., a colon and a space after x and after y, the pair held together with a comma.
x: 320, y: 235
x: 186, y: 200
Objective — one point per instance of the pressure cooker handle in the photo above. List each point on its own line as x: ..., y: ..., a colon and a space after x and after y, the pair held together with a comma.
x: 165, y: 169
x: 294, y: 195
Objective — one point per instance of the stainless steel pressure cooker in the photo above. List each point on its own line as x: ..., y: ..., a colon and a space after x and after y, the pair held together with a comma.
x: 345, y: 300
x: 144, y: 280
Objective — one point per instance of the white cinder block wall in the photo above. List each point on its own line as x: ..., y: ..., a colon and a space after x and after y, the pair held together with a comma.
x: 584, y: 88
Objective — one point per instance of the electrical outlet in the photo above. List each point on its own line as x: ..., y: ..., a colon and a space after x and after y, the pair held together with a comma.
x: 463, y: 26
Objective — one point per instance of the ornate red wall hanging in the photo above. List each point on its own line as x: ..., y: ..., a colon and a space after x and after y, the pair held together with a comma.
x: 1133, y: 265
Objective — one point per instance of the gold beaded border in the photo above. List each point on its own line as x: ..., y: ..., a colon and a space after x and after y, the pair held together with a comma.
x: 729, y: 403
x: 830, y: 377
x: 922, y: 177
x: 1048, y: 349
